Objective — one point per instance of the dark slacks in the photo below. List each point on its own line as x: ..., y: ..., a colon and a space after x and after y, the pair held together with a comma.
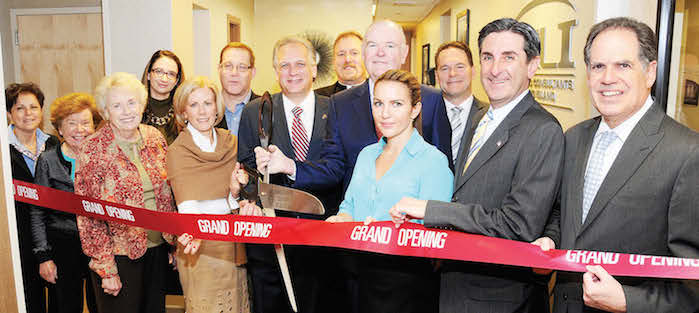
x: 143, y: 284
x: 390, y: 283
x: 267, y: 289
x: 34, y: 297
x: 66, y: 296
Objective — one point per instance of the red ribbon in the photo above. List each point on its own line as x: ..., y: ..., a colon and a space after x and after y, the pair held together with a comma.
x: 381, y: 237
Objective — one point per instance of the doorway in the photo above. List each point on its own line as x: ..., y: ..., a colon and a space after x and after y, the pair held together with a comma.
x: 233, y: 29
x: 61, y: 50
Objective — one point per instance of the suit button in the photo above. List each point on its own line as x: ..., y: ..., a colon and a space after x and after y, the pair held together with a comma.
x: 455, y: 199
x: 565, y: 296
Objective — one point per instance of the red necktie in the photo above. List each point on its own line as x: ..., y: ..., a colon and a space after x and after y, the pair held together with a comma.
x: 299, y: 139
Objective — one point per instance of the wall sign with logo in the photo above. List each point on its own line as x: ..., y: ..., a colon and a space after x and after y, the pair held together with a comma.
x: 554, y: 84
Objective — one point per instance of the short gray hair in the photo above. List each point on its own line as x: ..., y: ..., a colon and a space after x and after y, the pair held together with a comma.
x: 532, y: 43
x: 310, y: 52
x: 118, y: 80
x: 647, y: 43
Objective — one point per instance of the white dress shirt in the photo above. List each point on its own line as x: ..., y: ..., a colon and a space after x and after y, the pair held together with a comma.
x: 216, y: 206
x: 622, y: 132
x: 465, y: 111
x: 308, y: 105
x: 500, y: 114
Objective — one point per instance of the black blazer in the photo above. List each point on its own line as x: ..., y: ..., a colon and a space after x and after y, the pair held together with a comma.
x: 20, y: 171
x: 248, y: 139
x: 507, y: 192
x: 223, y: 124
x: 647, y: 204
x: 330, y: 89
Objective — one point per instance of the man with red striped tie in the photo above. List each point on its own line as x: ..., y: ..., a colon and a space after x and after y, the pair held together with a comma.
x: 298, y: 128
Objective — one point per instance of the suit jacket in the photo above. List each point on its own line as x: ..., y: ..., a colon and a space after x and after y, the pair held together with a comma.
x: 507, y: 192
x: 351, y: 128
x: 647, y: 204
x: 224, y: 125
x: 330, y: 89
x: 476, y: 107
x: 248, y: 139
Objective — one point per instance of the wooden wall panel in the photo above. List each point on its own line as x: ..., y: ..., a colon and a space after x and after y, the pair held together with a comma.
x: 63, y: 53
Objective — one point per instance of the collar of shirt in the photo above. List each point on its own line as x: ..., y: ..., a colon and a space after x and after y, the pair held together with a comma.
x: 466, y: 106
x: 41, y: 139
x: 308, y: 105
x: 624, y: 129
x: 239, y: 106
x: 348, y: 86
x: 412, y: 147
x: 233, y: 118
x: 371, y: 91
x: 202, y: 141
x: 501, y: 113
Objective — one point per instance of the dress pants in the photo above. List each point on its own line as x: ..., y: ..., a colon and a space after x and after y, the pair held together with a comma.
x: 389, y: 283
x: 66, y: 296
x: 34, y: 296
x: 142, y: 280
x: 267, y: 288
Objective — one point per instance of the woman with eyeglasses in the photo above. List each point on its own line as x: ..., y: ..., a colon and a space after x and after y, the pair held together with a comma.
x: 162, y: 75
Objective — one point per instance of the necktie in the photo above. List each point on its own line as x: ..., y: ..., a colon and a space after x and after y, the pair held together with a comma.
x: 299, y: 139
x: 478, y: 138
x: 457, y: 130
x: 594, y: 173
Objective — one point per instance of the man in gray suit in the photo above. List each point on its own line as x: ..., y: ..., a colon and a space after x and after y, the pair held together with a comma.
x: 507, y: 173
x: 630, y: 182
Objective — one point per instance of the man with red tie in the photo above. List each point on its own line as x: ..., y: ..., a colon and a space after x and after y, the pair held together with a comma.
x: 299, y: 125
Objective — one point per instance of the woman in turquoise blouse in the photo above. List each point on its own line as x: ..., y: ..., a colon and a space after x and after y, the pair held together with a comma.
x: 400, y: 165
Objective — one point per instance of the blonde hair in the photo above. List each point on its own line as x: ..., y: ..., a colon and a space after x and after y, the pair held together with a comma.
x: 179, y: 101
x: 118, y: 80
x: 72, y: 103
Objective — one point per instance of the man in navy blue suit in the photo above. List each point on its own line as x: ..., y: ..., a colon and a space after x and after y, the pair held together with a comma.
x: 350, y: 123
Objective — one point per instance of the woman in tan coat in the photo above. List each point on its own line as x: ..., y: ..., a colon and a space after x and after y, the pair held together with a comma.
x: 206, y: 179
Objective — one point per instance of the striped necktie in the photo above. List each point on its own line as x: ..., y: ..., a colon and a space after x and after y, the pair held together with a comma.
x: 478, y: 139
x: 299, y: 138
x: 594, y: 174
x: 457, y: 130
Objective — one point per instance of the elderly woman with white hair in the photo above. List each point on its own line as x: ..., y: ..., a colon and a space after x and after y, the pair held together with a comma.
x: 124, y: 162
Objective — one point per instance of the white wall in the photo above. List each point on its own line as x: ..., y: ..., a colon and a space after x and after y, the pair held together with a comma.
x: 275, y: 19
x: 201, y: 31
x: 136, y: 29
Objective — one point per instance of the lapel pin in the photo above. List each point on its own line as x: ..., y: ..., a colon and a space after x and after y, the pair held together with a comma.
x: 324, y: 116
x: 499, y: 143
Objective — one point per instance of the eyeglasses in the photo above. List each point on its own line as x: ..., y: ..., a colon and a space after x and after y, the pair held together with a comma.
x: 228, y: 67
x: 159, y: 73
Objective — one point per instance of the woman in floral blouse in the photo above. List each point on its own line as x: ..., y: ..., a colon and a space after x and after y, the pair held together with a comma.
x: 124, y: 162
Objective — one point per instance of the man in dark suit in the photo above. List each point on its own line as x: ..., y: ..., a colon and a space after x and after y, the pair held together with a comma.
x: 630, y: 182
x: 347, y: 60
x: 299, y: 126
x: 507, y: 173
x: 454, y: 63
x: 350, y: 122
x: 236, y: 69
